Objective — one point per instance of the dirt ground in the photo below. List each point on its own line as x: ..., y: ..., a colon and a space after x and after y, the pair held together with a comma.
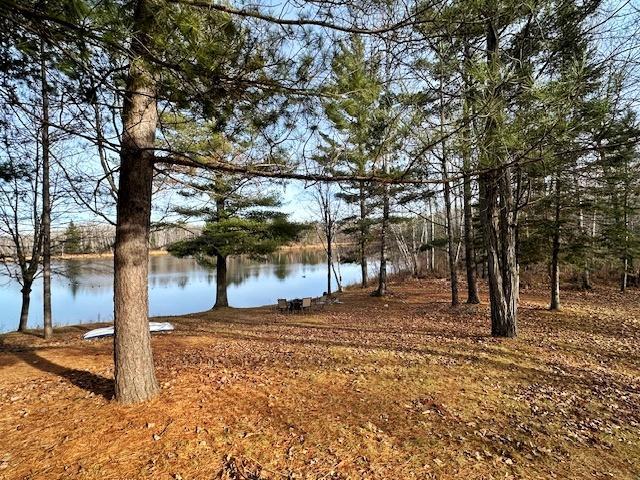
x: 397, y: 388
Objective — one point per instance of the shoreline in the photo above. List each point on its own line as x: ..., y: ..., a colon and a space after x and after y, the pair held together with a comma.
x: 162, y: 252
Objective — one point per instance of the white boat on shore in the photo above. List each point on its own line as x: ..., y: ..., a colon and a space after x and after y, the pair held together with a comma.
x: 108, y: 331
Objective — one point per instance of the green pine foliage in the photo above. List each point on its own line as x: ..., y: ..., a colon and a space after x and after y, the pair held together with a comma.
x: 617, y: 199
x: 239, y: 220
x: 73, y: 239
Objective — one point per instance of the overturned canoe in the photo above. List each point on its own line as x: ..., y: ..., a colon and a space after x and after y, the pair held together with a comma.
x: 108, y: 331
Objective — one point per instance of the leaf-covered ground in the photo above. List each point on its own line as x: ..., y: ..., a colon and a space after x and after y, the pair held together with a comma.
x: 397, y: 388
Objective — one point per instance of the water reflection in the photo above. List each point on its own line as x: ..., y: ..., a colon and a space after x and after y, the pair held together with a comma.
x: 73, y: 272
x: 82, y: 290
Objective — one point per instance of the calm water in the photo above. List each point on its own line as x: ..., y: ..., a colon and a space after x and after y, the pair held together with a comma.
x: 82, y: 290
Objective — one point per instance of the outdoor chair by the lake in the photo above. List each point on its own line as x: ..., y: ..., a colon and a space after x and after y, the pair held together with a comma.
x: 320, y: 302
x: 283, y: 305
x: 296, y: 305
x: 306, y: 304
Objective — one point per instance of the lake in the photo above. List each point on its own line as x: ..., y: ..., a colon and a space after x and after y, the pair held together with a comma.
x: 82, y: 289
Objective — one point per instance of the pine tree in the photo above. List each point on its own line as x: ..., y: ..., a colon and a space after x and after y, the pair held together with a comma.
x: 353, y: 110
x: 72, y: 239
x: 619, y: 190
x: 237, y: 222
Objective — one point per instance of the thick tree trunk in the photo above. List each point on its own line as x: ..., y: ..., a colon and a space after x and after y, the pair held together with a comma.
x: 499, y: 218
x: 555, y: 254
x: 501, y: 257
x: 221, y: 260
x: 221, y: 282
x: 363, y: 237
x: 24, y: 309
x: 135, y: 378
x: 46, y: 204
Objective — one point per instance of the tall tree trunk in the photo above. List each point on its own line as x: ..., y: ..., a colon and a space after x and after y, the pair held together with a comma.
x: 26, y: 301
x: 502, y: 267
x: 498, y: 212
x: 453, y: 273
x: 363, y: 236
x: 221, y: 282
x: 46, y: 202
x: 469, y: 248
x: 329, y: 235
x: 555, y: 253
x: 625, y: 261
x: 382, y: 276
x: 432, y: 235
x: 135, y: 378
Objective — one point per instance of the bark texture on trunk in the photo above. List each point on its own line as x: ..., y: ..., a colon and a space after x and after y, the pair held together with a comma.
x: 135, y: 379
x: 501, y: 256
x: 24, y: 309
x: 499, y: 217
x: 221, y: 282
x: 46, y: 203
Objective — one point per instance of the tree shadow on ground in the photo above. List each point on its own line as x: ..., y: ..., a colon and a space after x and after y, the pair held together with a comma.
x: 83, y: 379
x: 543, y: 374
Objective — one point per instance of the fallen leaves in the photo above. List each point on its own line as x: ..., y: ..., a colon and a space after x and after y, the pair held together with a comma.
x: 411, y: 390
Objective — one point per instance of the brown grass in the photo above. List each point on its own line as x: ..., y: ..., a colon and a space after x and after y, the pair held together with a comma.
x: 397, y: 388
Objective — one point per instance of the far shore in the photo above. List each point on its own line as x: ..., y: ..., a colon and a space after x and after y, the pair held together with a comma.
x: 159, y: 252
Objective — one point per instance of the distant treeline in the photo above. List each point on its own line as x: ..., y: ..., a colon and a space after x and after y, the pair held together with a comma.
x: 78, y: 239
